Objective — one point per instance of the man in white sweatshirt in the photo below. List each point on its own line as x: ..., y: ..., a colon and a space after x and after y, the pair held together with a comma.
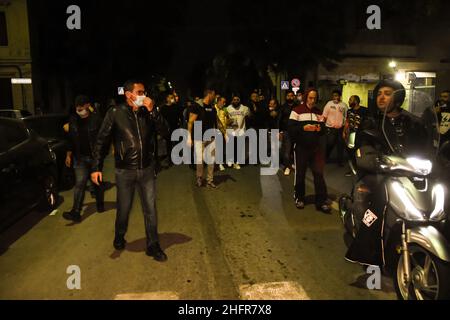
x: 238, y: 114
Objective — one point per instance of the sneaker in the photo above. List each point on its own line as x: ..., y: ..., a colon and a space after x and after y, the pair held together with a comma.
x: 72, y: 216
x: 199, y: 182
x: 325, y: 208
x: 237, y: 166
x: 211, y: 185
x: 299, y: 204
x: 221, y: 167
x: 119, y: 243
x: 287, y: 171
x: 230, y: 164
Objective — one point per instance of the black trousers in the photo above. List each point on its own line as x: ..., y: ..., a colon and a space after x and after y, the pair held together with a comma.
x: 83, y: 169
x: 144, y: 181
x: 334, y: 139
x: 312, y: 157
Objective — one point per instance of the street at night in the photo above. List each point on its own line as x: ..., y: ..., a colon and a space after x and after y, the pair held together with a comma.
x: 246, y: 232
x: 232, y: 150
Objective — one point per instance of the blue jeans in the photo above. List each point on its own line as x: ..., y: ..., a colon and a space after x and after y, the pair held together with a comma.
x: 127, y: 181
x: 83, y: 169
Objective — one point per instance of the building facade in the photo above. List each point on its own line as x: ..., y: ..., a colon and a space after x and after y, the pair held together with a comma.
x: 15, y: 56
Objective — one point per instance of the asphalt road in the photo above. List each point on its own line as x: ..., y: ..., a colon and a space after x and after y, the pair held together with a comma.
x: 244, y: 240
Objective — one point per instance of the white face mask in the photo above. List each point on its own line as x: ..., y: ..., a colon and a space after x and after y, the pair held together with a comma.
x: 139, y: 102
x: 82, y: 113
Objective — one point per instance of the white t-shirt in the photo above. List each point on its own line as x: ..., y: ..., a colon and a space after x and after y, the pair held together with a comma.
x: 335, y: 114
x: 238, y: 116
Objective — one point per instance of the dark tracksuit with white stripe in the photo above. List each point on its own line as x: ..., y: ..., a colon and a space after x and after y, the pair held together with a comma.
x: 308, y: 150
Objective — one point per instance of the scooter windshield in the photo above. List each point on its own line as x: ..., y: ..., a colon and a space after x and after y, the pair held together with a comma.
x: 412, y: 130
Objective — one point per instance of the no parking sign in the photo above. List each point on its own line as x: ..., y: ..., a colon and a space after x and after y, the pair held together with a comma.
x: 295, y: 83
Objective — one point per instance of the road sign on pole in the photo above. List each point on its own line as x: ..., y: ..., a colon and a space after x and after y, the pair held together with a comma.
x: 295, y: 83
x: 284, y: 85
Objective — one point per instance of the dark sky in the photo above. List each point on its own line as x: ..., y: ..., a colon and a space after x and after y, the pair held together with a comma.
x: 180, y: 38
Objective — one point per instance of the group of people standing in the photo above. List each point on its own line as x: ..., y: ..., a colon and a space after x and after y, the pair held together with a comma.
x: 307, y: 134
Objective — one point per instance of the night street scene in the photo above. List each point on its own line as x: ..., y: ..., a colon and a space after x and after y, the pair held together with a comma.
x: 244, y: 151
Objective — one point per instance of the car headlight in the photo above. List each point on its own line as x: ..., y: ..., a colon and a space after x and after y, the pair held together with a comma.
x: 420, y: 166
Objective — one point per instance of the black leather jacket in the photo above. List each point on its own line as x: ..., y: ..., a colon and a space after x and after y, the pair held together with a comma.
x: 94, y: 123
x: 133, y: 135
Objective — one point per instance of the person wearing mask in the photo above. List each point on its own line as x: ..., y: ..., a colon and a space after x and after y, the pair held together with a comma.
x: 286, y: 143
x: 238, y: 114
x: 335, y: 112
x: 82, y: 130
x: 133, y: 127
x: 306, y: 126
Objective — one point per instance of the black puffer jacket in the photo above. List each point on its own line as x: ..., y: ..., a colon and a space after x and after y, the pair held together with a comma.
x: 133, y: 135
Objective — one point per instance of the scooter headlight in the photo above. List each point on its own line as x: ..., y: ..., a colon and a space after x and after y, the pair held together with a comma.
x: 439, y: 201
x: 408, y: 208
x: 420, y: 166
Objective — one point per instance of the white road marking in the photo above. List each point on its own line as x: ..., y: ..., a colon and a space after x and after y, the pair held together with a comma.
x: 285, y: 290
x: 159, y: 295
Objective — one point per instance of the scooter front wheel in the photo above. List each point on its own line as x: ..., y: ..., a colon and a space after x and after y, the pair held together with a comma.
x: 429, y: 276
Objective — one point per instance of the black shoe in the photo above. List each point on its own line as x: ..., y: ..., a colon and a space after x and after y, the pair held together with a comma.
x: 72, y: 216
x: 100, y: 207
x: 119, y: 243
x: 325, y: 208
x: 299, y: 204
x: 156, y: 252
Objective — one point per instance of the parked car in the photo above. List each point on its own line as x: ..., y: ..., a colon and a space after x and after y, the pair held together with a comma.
x: 28, y: 177
x: 50, y: 127
x: 14, y: 113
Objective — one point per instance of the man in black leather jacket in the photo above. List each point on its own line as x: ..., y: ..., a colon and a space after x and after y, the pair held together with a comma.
x: 133, y: 127
x: 82, y: 130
